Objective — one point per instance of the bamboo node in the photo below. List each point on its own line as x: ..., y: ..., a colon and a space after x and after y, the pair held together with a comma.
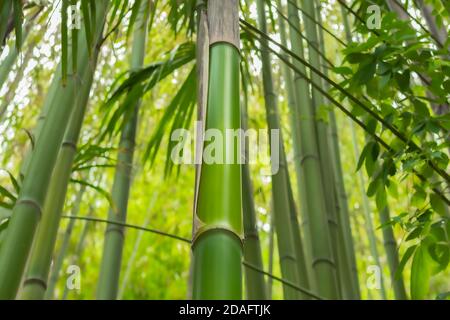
x: 201, y: 231
x: 323, y: 260
x: 36, y: 280
x: 31, y: 203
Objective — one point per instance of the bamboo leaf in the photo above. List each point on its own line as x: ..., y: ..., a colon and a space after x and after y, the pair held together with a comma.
x: 64, y: 40
x: 5, y: 9
x: 408, y: 254
x: 18, y: 21
x: 100, y: 190
x: 438, y: 205
x: 420, y: 273
x: 134, y: 15
x: 87, y: 24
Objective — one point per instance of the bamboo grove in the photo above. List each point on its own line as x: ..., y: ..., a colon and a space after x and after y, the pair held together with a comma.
x: 348, y: 200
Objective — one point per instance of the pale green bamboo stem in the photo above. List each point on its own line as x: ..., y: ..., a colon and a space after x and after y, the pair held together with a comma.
x: 136, y: 246
x: 255, y: 283
x: 108, y: 283
x: 28, y: 209
x: 323, y: 261
x: 326, y: 158
x: 15, y: 83
x: 56, y: 268
x: 341, y: 194
x: 271, y: 251
x: 367, y: 212
x: 36, y: 279
x: 390, y: 245
x: 79, y: 249
x: 294, y: 113
x: 291, y: 266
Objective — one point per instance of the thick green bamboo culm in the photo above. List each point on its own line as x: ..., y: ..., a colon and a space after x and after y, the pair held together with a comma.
x: 323, y: 263
x: 255, y: 284
x: 217, y: 240
x: 289, y: 261
x: 341, y: 194
x: 29, y: 206
x: 35, y: 281
x: 52, y: 94
x: 108, y: 283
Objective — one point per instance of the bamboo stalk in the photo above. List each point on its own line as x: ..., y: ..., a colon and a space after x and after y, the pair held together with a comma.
x: 255, y: 283
x: 341, y: 194
x: 137, y: 243
x: 35, y: 282
x: 108, y: 283
x: 294, y: 113
x: 217, y: 241
x: 271, y: 252
x: 4, y: 71
x: 79, y: 249
x: 367, y: 213
x: 28, y: 209
x: 326, y: 159
x: 390, y: 245
x: 291, y: 266
x: 56, y: 267
x: 323, y: 261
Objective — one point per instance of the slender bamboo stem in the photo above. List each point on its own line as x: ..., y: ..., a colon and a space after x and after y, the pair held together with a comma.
x: 323, y: 261
x: 36, y: 279
x: 29, y: 206
x: 255, y: 283
x: 341, y: 194
x: 271, y: 252
x: 79, y: 249
x: 108, y: 283
x: 367, y: 213
x: 390, y: 245
x: 326, y: 159
x: 56, y: 267
x: 291, y: 266
x: 294, y: 113
x: 18, y: 77
x: 136, y: 246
